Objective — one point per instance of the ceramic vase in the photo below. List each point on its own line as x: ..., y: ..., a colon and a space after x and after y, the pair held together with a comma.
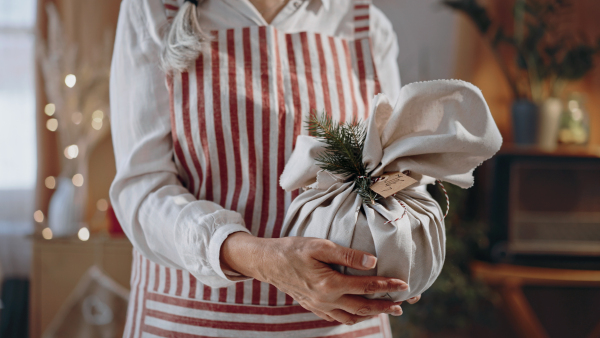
x: 549, y: 123
x: 66, y: 208
x: 525, y: 122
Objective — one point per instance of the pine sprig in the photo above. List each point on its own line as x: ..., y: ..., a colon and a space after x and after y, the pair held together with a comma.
x: 344, y: 144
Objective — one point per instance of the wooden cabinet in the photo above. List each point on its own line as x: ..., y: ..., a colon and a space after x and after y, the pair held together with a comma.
x: 59, y: 264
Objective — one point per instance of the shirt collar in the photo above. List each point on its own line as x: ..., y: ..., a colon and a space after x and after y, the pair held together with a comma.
x: 250, y: 11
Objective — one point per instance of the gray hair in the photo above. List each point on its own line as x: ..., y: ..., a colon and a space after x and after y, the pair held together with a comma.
x: 184, y: 41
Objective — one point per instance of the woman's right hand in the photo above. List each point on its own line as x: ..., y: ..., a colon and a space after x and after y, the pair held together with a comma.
x: 300, y: 267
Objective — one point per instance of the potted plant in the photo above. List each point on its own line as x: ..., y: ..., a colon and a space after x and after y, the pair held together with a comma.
x: 547, y: 55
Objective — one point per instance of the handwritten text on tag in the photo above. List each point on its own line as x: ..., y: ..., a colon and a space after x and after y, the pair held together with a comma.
x: 391, y: 183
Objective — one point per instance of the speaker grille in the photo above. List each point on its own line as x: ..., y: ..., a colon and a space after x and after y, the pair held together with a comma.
x: 558, y: 232
x: 554, y: 208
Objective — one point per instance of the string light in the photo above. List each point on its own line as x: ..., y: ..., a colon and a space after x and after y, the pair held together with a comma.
x: 77, y: 180
x: 38, y: 216
x: 71, y: 151
x: 98, y: 115
x: 76, y: 117
x: 49, y: 109
x: 96, y: 124
x: 83, y: 234
x: 50, y: 182
x: 102, y: 204
x: 47, y: 233
x: 70, y: 80
x: 52, y: 124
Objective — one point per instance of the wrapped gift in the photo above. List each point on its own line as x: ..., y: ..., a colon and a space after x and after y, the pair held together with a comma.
x: 437, y: 131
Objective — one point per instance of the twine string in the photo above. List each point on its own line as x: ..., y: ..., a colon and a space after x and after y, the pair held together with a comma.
x: 399, y: 218
x: 447, y: 198
x: 404, y: 206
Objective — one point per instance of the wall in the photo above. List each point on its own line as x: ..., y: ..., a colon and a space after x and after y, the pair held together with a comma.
x: 476, y: 63
x: 427, y: 34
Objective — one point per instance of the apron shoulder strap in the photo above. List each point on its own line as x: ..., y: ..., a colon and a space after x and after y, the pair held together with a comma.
x: 171, y: 8
x: 361, y: 18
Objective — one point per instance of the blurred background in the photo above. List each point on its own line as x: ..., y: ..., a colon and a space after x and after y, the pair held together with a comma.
x: 523, y: 254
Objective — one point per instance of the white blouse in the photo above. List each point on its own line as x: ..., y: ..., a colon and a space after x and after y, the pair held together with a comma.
x: 156, y: 211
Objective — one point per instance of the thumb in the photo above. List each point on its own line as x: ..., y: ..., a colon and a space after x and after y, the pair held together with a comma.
x: 337, y: 254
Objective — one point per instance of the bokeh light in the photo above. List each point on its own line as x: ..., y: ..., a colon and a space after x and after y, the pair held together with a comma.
x: 98, y: 115
x: 77, y: 180
x: 38, y: 216
x: 102, y: 204
x: 71, y: 151
x: 83, y: 234
x: 49, y: 109
x: 52, y: 124
x: 70, y: 80
x: 47, y: 233
x: 50, y: 182
x: 96, y: 124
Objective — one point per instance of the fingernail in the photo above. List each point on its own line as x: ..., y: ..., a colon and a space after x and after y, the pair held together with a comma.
x: 403, y: 287
x: 398, y: 312
x: 369, y: 261
x: 395, y: 309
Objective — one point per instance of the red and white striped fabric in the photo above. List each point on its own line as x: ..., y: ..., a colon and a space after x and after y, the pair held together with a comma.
x: 170, y: 303
x: 235, y: 117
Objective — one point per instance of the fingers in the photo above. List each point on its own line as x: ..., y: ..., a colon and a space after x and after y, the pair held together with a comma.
x: 414, y: 299
x: 332, y: 253
x: 360, y: 285
x: 347, y: 318
x: 323, y: 315
x: 361, y: 306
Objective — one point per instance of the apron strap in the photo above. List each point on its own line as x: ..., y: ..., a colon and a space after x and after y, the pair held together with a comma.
x: 171, y: 8
x: 361, y: 18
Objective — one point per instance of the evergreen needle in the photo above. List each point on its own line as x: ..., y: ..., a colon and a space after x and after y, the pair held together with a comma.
x: 344, y: 144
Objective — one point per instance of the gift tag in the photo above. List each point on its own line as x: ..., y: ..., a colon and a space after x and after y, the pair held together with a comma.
x: 391, y: 183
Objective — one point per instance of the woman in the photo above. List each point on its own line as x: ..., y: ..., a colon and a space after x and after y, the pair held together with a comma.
x: 202, y: 126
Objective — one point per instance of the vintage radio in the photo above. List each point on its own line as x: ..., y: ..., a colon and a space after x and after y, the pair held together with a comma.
x: 546, y: 205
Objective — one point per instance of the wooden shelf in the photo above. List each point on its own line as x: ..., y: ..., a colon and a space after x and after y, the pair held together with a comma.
x: 510, y: 279
x: 561, y: 150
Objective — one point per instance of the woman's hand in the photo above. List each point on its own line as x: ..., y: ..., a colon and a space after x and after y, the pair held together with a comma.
x: 300, y: 267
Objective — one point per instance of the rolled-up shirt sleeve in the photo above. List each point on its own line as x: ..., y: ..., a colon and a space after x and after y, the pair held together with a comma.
x: 160, y: 216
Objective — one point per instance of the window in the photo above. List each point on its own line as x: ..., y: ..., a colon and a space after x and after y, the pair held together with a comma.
x: 17, y: 114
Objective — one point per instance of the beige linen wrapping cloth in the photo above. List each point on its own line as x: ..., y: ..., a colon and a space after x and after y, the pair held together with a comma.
x: 438, y: 130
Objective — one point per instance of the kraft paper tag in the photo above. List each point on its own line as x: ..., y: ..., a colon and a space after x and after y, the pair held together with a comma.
x: 391, y: 183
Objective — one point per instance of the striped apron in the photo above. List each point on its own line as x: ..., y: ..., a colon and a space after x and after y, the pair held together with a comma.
x: 235, y: 117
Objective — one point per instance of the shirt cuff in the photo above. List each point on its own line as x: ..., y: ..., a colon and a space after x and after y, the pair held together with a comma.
x: 214, y: 250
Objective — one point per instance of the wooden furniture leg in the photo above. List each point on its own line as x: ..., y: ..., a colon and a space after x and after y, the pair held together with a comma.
x: 521, y: 313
